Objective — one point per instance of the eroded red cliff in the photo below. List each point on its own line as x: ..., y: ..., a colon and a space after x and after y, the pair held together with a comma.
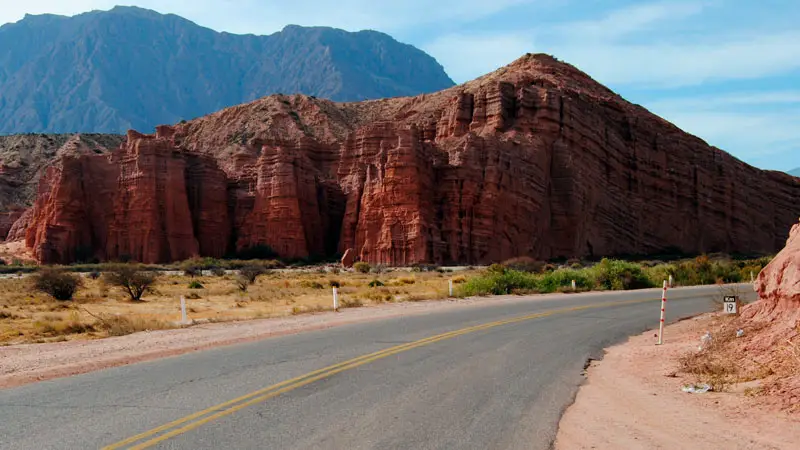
x: 535, y: 159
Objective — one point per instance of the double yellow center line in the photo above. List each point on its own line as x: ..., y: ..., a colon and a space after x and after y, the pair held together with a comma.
x: 190, y: 422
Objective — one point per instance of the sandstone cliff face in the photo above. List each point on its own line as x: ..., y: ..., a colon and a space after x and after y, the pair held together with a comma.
x: 535, y: 159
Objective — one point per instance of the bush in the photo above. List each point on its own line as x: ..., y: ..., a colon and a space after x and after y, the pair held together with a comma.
x: 375, y: 283
x: 362, y: 267
x: 251, y: 273
x: 524, y: 264
x: 132, y: 279
x: 95, y: 274
x: 559, y: 280
x: 218, y: 272
x: 56, y: 283
x: 192, y: 267
x: 497, y: 283
x: 619, y: 275
x: 334, y: 283
x: 242, y: 283
x: 196, y: 285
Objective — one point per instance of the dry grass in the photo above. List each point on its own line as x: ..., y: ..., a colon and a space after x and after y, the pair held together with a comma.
x: 99, y: 310
x: 721, y: 363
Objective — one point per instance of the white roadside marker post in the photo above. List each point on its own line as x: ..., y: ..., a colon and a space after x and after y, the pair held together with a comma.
x: 335, y: 299
x: 450, y: 287
x: 670, y: 281
x: 184, y: 319
x: 752, y: 277
x: 574, y: 286
x: 663, y: 314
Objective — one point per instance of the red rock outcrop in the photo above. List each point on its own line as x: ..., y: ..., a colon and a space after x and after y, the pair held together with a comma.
x: 536, y: 159
x: 148, y: 201
x: 779, y: 282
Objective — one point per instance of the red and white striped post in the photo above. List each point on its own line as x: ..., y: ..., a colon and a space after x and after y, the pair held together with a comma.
x: 663, y: 314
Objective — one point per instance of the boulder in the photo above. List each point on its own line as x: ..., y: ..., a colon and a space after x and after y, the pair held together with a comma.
x: 348, y: 259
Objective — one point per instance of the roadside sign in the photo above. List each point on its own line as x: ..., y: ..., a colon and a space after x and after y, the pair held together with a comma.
x: 730, y: 304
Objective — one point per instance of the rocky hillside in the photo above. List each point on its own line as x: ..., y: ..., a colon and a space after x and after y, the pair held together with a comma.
x: 109, y: 71
x: 535, y: 159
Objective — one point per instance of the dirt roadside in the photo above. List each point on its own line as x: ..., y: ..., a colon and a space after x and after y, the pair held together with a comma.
x: 633, y: 400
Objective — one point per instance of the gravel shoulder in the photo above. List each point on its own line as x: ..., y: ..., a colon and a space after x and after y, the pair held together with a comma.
x: 633, y: 400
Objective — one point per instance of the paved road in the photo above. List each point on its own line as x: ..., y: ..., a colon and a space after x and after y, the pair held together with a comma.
x: 492, y: 377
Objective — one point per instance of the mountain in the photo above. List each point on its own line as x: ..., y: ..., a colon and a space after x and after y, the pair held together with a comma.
x: 109, y: 71
x: 535, y: 159
x: 795, y: 172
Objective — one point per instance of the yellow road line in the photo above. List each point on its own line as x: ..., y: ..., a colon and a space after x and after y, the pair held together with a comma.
x: 177, y: 427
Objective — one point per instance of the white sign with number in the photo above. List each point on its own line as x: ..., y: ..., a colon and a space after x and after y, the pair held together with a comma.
x: 730, y: 304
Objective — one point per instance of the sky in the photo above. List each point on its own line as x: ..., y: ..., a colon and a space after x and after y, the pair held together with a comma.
x: 727, y: 71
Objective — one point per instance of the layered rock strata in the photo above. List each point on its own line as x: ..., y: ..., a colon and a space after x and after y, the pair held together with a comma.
x: 536, y: 159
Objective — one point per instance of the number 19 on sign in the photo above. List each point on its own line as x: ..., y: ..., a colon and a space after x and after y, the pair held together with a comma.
x: 730, y: 304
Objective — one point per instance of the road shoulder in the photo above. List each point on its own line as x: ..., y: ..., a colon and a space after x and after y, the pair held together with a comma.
x: 633, y: 400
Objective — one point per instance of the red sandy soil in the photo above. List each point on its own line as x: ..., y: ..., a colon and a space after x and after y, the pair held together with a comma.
x: 633, y: 398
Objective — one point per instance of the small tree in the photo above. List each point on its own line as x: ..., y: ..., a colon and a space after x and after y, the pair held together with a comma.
x: 57, y: 283
x: 132, y: 279
x: 251, y: 273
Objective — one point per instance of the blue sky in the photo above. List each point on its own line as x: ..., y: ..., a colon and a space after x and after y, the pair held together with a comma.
x: 725, y: 70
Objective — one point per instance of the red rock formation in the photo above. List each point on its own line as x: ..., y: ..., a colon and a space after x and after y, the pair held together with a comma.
x: 779, y: 282
x: 7, y: 221
x: 134, y: 204
x: 536, y: 159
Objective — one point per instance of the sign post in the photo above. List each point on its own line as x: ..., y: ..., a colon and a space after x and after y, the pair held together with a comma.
x: 184, y: 318
x: 335, y: 299
x: 663, y: 314
x: 730, y: 305
x: 450, y: 287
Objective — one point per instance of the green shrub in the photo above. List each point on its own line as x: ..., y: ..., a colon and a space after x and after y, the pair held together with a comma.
x: 196, y: 285
x: 59, y: 284
x: 499, y: 283
x: 375, y: 283
x: 612, y: 274
x: 559, y: 279
x: 218, y: 271
x: 362, y: 267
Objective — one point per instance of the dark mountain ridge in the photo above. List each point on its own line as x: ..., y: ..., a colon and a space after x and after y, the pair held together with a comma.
x: 110, y: 71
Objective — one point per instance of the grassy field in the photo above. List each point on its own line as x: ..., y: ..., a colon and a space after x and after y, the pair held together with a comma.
x: 100, y: 311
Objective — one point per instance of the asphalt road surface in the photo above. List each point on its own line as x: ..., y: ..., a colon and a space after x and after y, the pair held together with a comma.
x: 497, y: 376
